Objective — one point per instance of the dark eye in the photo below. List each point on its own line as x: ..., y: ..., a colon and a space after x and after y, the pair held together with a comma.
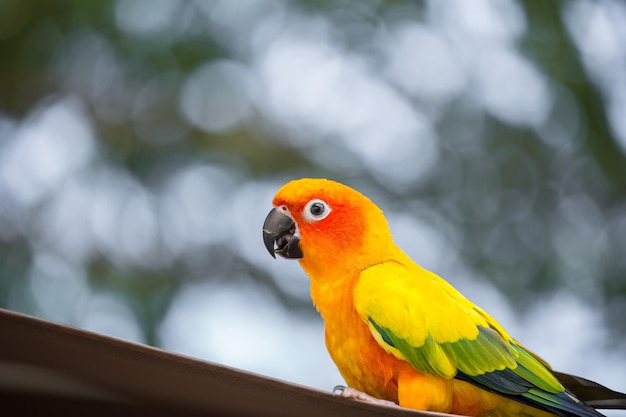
x: 316, y: 210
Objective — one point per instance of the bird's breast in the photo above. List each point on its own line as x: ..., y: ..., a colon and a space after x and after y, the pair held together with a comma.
x: 361, y: 361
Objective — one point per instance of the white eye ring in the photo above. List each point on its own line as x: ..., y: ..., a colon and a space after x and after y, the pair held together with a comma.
x: 316, y: 210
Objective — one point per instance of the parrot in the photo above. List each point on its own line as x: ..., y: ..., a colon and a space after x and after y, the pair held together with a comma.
x: 398, y: 333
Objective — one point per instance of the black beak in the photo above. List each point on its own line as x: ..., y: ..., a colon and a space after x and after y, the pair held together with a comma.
x: 279, y: 235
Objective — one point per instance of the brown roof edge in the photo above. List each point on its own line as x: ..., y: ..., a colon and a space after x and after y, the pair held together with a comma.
x: 77, y: 370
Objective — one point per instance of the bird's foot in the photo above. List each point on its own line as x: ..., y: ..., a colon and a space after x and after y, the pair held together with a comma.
x: 347, y: 392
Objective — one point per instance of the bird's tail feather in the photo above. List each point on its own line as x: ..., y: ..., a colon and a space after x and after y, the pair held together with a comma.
x: 592, y: 393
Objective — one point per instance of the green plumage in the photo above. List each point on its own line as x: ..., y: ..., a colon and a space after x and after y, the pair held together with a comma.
x: 493, y: 364
x: 486, y: 353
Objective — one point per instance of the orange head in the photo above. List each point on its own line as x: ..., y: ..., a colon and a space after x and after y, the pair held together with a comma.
x: 326, y: 225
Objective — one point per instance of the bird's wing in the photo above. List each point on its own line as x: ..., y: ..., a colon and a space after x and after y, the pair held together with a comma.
x: 420, y: 318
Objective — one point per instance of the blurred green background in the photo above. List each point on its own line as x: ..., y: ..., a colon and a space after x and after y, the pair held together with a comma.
x: 141, y: 142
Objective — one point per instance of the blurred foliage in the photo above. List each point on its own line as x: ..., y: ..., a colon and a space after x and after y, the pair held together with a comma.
x: 533, y: 200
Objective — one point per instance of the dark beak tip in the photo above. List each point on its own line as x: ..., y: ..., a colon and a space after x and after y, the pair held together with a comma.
x: 268, y: 241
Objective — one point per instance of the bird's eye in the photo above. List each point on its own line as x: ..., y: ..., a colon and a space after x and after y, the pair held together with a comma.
x: 316, y: 210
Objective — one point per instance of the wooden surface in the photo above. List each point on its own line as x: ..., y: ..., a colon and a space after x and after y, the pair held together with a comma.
x: 46, y: 365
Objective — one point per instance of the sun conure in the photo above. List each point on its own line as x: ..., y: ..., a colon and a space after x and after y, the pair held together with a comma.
x: 399, y: 332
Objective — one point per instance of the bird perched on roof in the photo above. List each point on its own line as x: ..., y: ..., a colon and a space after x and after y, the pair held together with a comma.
x: 400, y: 333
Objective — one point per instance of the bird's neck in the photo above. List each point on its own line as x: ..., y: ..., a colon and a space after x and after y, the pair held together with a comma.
x: 333, y: 299
x: 333, y: 281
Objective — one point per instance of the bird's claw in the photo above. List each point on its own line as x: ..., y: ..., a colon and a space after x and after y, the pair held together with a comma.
x: 347, y: 392
x: 338, y: 390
